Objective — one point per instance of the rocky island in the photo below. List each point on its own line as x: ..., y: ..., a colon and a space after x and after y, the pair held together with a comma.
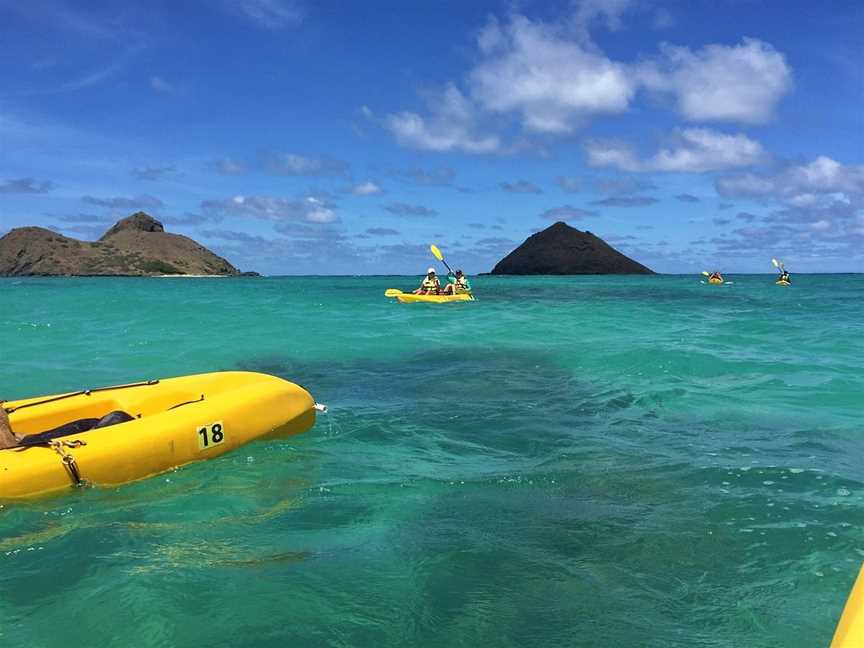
x: 135, y: 246
x: 564, y: 250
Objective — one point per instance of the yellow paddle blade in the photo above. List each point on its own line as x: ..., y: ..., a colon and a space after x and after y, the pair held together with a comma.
x: 436, y: 252
x: 706, y: 273
x: 776, y: 263
x: 392, y: 292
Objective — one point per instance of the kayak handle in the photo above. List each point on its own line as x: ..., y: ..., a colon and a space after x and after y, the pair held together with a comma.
x: 319, y: 407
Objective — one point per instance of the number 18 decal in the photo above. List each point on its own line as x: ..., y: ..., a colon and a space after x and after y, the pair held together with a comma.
x: 210, y: 435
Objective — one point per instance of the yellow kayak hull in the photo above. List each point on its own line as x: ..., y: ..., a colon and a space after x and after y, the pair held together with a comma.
x: 715, y: 281
x: 783, y: 283
x: 411, y: 298
x: 173, y: 426
x: 850, y: 629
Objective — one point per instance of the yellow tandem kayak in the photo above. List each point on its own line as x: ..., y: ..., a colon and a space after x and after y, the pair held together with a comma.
x: 173, y: 422
x: 850, y: 629
x: 409, y: 298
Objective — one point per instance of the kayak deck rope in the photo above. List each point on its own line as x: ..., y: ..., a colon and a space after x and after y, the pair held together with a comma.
x: 82, y: 392
x: 68, y: 460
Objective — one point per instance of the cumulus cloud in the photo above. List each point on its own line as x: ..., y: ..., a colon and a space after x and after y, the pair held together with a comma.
x: 740, y: 83
x: 363, y: 189
x: 26, y: 185
x: 310, y: 209
x: 552, y: 82
x: 153, y: 173
x: 567, y: 212
x: 121, y: 202
x: 520, y: 186
x: 694, y: 150
x: 450, y: 126
x: 291, y: 164
x: 551, y: 78
x: 404, y: 209
x: 800, y: 185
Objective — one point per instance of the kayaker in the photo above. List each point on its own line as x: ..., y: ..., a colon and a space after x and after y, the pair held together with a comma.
x: 784, y: 276
x: 716, y: 276
x: 8, y: 439
x: 458, y: 283
x: 431, y: 284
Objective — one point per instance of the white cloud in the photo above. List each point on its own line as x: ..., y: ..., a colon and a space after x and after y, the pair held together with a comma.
x: 695, y: 150
x: 739, y: 83
x: 450, y: 127
x: 804, y: 185
x: 552, y: 82
x: 552, y: 79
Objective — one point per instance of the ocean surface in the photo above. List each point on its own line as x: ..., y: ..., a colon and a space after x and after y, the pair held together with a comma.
x: 579, y: 461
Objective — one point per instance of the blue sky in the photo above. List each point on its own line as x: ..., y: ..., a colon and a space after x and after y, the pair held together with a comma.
x: 343, y: 138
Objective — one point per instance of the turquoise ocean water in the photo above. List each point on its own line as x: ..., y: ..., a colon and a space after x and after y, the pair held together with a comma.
x: 587, y: 461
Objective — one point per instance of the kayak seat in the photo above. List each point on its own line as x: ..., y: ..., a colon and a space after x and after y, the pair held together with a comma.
x: 76, y: 427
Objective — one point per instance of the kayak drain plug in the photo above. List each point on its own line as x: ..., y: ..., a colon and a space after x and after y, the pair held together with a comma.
x: 321, y: 408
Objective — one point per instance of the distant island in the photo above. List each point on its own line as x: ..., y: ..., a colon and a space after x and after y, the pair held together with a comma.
x: 564, y: 250
x: 135, y: 246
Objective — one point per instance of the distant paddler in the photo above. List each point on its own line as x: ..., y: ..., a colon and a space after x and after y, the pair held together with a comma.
x: 713, y: 277
x: 784, y: 279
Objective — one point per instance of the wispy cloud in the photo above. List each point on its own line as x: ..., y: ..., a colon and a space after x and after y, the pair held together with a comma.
x: 363, y: 189
x: 382, y: 231
x: 273, y: 15
x: 122, y: 202
x: 154, y: 173
x: 291, y: 164
x: 26, y: 185
x: 404, y: 209
x: 625, y: 201
x: 567, y: 212
x: 227, y: 166
x: 438, y: 177
x: 687, y: 198
x: 159, y: 84
x: 520, y: 186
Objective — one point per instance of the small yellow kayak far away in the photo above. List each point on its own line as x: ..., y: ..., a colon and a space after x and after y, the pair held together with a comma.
x: 409, y: 298
x: 781, y: 282
x: 850, y: 629
x: 715, y: 281
x: 173, y: 422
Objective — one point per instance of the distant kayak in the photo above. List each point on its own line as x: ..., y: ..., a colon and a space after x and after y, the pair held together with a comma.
x: 850, y: 629
x: 783, y: 282
x: 715, y: 281
x: 410, y: 298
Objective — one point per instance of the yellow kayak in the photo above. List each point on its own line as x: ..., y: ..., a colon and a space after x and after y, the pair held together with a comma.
x: 409, y: 298
x: 781, y: 282
x: 715, y: 281
x: 850, y: 629
x: 168, y: 423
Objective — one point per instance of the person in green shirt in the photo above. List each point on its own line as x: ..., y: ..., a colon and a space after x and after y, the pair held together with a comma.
x: 458, y: 284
